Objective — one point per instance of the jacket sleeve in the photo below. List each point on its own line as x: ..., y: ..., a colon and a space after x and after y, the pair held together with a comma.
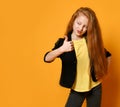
x: 58, y: 43
x: 107, y: 53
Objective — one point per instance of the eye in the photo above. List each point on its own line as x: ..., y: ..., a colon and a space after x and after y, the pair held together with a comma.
x: 85, y: 26
x: 79, y: 23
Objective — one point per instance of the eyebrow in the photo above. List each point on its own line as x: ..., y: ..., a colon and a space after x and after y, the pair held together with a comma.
x: 80, y: 22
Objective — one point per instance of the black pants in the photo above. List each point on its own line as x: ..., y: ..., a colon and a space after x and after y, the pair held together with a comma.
x: 93, y: 98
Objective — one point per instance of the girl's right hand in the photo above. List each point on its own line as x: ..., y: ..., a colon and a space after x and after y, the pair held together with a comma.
x: 67, y: 45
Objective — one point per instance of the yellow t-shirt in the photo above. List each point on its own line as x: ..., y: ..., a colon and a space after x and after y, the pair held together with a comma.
x: 83, y: 81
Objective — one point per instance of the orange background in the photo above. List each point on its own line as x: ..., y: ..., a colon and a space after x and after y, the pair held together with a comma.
x: 29, y: 28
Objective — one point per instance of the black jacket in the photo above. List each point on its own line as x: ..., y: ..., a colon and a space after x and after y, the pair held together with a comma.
x: 69, y: 62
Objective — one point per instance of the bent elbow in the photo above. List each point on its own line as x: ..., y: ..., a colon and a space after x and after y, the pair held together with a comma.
x: 46, y: 59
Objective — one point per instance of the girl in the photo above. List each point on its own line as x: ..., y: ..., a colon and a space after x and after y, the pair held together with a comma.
x: 84, y: 59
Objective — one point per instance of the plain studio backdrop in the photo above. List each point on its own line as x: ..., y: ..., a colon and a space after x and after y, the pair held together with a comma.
x: 28, y: 29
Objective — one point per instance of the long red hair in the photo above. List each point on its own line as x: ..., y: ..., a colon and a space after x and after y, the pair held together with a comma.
x: 94, y: 41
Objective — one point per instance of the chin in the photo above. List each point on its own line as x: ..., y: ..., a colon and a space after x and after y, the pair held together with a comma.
x: 79, y: 35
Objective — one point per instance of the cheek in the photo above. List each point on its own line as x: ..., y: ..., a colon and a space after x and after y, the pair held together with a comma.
x: 84, y: 30
x: 74, y: 26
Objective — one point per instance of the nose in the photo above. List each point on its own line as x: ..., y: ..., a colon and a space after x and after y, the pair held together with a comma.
x: 81, y: 28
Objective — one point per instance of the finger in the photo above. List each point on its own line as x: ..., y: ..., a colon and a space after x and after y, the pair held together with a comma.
x: 66, y: 38
x: 71, y: 43
x: 72, y: 48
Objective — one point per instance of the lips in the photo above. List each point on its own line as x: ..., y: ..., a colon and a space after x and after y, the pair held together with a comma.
x: 79, y: 32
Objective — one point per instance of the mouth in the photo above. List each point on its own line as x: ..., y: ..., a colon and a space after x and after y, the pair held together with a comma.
x: 79, y: 32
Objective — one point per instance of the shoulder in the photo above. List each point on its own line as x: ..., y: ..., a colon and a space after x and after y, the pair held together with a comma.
x: 58, y: 43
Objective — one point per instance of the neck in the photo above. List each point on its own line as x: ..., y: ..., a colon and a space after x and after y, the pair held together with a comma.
x: 75, y: 37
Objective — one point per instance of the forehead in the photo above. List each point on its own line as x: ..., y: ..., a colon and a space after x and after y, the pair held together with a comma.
x: 82, y: 17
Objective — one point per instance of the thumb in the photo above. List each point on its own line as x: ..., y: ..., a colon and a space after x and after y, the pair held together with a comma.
x: 66, y: 38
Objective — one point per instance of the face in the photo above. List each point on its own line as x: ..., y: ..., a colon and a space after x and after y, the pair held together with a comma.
x: 80, y: 25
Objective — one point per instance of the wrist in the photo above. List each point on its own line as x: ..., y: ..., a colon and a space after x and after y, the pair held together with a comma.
x: 61, y: 50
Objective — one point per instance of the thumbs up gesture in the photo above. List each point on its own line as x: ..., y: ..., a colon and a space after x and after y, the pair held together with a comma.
x: 67, y: 45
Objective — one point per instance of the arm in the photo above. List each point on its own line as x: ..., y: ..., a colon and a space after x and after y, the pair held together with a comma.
x: 66, y: 47
x: 52, y: 55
